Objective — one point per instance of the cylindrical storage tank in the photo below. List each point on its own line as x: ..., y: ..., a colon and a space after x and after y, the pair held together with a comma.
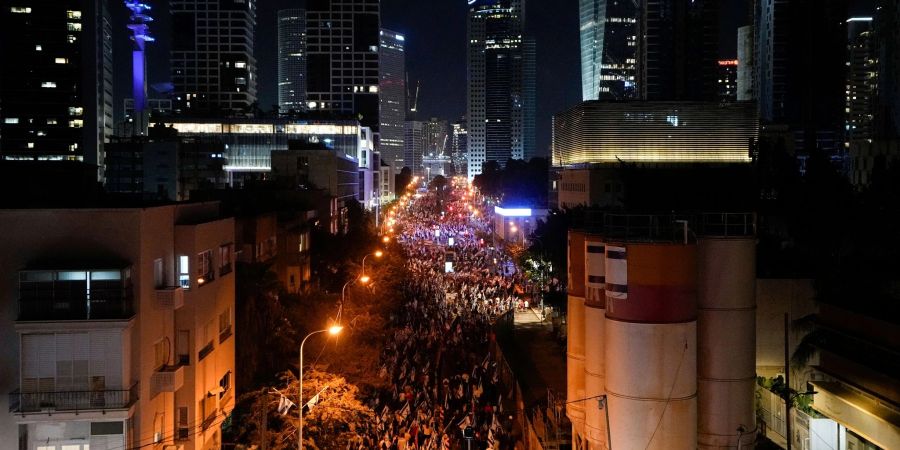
x: 651, y: 345
x: 726, y: 338
x: 575, y: 333
x: 594, y: 326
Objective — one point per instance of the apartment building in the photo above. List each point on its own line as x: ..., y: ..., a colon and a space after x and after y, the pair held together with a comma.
x: 117, y: 324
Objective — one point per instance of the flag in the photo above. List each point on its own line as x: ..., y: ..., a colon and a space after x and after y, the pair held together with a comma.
x: 490, y: 440
x: 384, y: 413
x: 464, y: 423
x: 500, y: 403
x: 487, y: 358
x: 404, y: 413
x: 495, y: 424
x: 284, y: 405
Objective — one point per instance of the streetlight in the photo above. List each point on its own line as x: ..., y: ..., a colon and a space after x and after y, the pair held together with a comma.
x: 332, y: 330
x: 363, y: 279
x: 377, y: 254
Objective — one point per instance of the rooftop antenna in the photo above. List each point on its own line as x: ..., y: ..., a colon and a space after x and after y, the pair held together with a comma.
x: 140, y: 36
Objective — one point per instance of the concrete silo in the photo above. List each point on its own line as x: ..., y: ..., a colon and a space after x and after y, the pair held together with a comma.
x: 594, y: 341
x: 726, y: 335
x: 575, y: 333
x: 651, y: 345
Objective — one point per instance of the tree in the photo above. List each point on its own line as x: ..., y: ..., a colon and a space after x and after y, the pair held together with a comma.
x: 330, y: 423
x: 402, y: 180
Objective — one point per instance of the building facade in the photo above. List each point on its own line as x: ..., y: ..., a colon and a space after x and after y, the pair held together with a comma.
x: 608, y: 46
x: 459, y: 146
x: 342, y: 48
x: 56, y: 86
x: 291, y: 60
x: 746, y: 73
x: 119, y: 327
x: 501, y: 84
x: 415, y: 143
x: 727, y: 80
x: 212, y: 60
x: 654, y: 133
x: 392, y: 97
x: 862, y: 81
x: 677, y: 49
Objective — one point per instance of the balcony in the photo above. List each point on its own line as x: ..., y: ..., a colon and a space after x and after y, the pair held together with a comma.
x: 169, y: 298
x: 72, y: 401
x: 166, y: 379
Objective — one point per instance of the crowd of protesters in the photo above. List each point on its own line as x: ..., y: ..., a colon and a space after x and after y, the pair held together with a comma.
x: 445, y: 392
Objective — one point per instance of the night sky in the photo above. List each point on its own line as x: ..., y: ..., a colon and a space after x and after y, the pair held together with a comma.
x: 436, y: 51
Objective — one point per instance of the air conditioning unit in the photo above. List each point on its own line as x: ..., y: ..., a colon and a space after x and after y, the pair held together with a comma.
x: 157, y: 437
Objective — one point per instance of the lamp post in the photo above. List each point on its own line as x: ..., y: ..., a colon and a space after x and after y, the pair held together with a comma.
x: 364, y: 279
x: 332, y: 330
x: 377, y: 254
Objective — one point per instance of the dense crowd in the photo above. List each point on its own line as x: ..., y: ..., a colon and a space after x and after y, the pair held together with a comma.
x: 444, y: 382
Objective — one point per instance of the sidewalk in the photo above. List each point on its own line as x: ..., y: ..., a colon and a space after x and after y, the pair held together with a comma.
x: 535, y: 357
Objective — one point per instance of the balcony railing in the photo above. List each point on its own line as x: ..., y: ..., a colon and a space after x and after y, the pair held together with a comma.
x: 98, y: 305
x: 30, y: 402
x: 169, y: 298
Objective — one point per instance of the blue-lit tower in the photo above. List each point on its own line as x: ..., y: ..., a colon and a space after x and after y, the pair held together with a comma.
x: 140, y: 36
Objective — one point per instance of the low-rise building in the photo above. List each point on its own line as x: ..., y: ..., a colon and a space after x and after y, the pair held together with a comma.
x: 118, y: 327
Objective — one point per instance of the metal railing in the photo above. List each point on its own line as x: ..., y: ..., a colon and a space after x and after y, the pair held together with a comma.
x: 29, y: 402
x: 673, y: 227
x: 102, y: 305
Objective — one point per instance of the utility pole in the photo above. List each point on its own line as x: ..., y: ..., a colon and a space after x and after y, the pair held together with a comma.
x: 264, y: 421
x: 787, y: 379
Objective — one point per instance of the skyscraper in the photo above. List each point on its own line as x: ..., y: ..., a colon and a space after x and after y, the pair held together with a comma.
x: 801, y: 61
x: 677, y: 49
x: 213, y: 67
x: 746, y: 88
x: 501, y: 84
x: 392, y: 97
x: 291, y: 60
x: 459, y: 145
x: 608, y: 45
x: 56, y: 81
x: 414, y: 145
x: 727, y: 80
x: 342, y: 49
x: 862, y: 80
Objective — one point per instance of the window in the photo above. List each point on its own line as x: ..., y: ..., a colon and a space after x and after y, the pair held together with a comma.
x: 37, y: 48
x: 204, y: 267
x: 224, y: 259
x: 184, y: 273
x: 77, y: 123
x: 48, y: 84
x: 73, y: 14
x: 51, y: 122
x: 224, y: 325
x: 183, y: 347
x: 73, y: 26
x: 61, y: 61
x: 240, y: 64
x: 20, y: 10
x: 225, y: 384
x: 182, y: 431
x: 11, y: 120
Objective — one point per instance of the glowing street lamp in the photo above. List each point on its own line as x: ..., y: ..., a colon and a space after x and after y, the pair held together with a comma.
x: 333, y: 330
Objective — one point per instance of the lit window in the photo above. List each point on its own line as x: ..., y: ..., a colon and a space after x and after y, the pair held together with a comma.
x: 51, y: 121
x: 48, y: 84
x: 71, y: 39
x: 20, y: 10
x: 31, y: 145
x: 11, y: 120
x: 61, y: 61
x: 184, y: 274
x: 76, y: 110
x: 73, y: 14
x: 73, y: 26
x: 373, y: 89
x: 240, y: 64
x: 37, y: 48
x: 77, y: 123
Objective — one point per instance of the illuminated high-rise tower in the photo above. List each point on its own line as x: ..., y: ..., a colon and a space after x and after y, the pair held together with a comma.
x: 140, y: 36
x: 608, y: 44
x: 501, y: 84
x: 392, y: 97
x: 291, y: 60
x: 56, y: 81
x: 213, y: 65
